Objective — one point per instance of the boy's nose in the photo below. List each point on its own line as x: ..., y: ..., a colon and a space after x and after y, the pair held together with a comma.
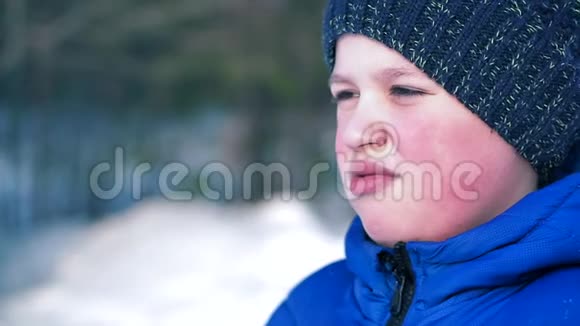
x: 376, y: 139
x: 369, y: 133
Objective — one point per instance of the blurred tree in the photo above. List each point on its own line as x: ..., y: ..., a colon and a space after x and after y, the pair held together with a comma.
x: 172, y: 53
x: 258, y: 57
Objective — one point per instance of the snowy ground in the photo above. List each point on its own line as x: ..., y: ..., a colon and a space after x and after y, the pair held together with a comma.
x: 167, y: 264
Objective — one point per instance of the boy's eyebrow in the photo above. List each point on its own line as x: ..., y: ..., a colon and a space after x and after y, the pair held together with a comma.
x: 392, y: 73
x: 381, y: 76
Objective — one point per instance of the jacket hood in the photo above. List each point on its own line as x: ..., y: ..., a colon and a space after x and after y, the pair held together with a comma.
x: 538, y: 233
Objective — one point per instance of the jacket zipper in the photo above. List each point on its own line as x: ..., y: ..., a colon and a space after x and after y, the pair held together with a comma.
x: 403, y: 296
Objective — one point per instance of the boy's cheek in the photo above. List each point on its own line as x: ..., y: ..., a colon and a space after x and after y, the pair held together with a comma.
x: 339, y: 144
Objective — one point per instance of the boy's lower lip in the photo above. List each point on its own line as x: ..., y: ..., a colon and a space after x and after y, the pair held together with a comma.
x: 362, y: 185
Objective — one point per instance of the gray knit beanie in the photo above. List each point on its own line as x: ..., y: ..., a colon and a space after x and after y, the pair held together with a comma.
x: 514, y: 63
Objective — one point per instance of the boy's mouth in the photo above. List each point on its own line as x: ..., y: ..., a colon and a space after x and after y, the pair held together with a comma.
x: 368, y: 177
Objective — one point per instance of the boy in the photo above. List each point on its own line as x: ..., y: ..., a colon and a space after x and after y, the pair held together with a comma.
x: 456, y: 120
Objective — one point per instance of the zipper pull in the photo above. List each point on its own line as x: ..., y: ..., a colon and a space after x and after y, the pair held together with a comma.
x: 403, y: 296
x: 397, y: 302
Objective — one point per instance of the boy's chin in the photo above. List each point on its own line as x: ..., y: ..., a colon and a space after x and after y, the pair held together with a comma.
x: 388, y: 222
x: 382, y: 222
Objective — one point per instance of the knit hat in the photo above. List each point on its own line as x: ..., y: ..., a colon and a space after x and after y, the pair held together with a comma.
x: 514, y: 63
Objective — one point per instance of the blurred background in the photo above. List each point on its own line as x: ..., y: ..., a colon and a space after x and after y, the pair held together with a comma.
x: 192, y: 82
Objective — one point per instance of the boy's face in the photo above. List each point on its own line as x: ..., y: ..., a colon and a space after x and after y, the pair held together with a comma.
x: 415, y: 162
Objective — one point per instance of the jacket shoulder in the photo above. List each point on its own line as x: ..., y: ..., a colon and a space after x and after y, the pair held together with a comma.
x: 314, y: 300
x: 553, y: 299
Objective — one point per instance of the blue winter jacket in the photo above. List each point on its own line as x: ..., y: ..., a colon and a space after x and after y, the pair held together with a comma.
x: 521, y: 268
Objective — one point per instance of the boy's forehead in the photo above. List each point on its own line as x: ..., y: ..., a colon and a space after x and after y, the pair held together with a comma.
x: 356, y: 54
x: 380, y: 74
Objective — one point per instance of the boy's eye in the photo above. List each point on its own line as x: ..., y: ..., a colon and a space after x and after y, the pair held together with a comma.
x: 343, y: 96
x: 404, y: 91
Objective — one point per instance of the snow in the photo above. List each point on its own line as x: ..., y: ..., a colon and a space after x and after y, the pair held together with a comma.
x: 170, y: 264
